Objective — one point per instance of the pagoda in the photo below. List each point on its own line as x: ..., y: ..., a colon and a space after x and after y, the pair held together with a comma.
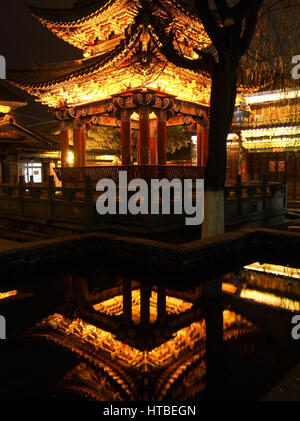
x: 124, y: 79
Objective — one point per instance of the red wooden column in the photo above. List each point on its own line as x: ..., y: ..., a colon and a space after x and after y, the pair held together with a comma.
x: 83, y: 146
x: 153, y: 141
x: 64, y: 144
x: 202, y: 145
x: 127, y: 300
x: 144, y: 137
x: 77, y: 143
x: 205, y: 134
x: 200, y: 151
x: 245, y: 164
x: 162, y: 138
x: 125, y: 138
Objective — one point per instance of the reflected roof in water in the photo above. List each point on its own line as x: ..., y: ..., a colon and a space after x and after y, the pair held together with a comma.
x: 114, y: 306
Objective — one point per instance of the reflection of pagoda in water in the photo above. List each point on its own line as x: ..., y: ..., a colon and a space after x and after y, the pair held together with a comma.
x: 154, y: 350
x: 268, y: 284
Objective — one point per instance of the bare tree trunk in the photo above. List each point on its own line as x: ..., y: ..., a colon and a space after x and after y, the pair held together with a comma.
x: 223, y: 95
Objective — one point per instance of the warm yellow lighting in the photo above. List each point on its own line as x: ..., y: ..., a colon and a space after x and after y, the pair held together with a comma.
x: 275, y: 137
x: 229, y: 288
x: 285, y: 271
x: 186, y: 338
x: 259, y: 98
x: 232, y: 136
x: 4, y: 109
x: 270, y: 299
x: 8, y: 294
x: 106, y: 157
x: 70, y: 158
x: 271, y: 132
x: 114, y: 306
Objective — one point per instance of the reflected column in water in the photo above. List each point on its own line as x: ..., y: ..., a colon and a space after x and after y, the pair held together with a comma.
x: 215, y: 358
x: 81, y: 288
x: 161, y: 304
x: 127, y: 300
x: 68, y: 287
x: 145, y: 305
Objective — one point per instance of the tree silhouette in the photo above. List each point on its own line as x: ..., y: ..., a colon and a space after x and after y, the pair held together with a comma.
x: 231, y: 25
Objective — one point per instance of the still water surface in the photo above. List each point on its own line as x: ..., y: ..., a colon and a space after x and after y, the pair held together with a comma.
x: 72, y: 338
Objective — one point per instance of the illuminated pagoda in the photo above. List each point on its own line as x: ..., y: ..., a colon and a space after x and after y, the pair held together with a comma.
x: 124, y: 80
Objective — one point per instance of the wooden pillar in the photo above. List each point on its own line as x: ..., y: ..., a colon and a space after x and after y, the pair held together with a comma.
x: 161, y: 304
x: 127, y: 300
x: 153, y: 141
x: 216, y: 366
x: 200, y: 144
x: 244, y: 165
x: 83, y: 146
x: 162, y: 138
x: 64, y: 144
x: 145, y: 305
x: 144, y: 137
x: 125, y: 138
x: 77, y: 143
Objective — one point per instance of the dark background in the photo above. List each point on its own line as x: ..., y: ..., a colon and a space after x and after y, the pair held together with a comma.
x: 25, y: 42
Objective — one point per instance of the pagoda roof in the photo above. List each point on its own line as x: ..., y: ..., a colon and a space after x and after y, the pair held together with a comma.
x: 135, y: 62
x: 10, y: 98
x: 53, y: 73
x: 17, y: 136
x: 100, y: 24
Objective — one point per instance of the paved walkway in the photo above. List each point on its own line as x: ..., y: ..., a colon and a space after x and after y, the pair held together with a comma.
x: 288, y: 389
x: 8, y: 244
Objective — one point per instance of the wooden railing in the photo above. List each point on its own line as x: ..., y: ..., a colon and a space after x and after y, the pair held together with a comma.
x: 46, y: 201
x: 78, y: 174
x: 74, y: 204
x: 251, y: 190
x: 255, y: 204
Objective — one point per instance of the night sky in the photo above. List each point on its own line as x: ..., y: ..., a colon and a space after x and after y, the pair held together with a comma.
x: 24, y: 42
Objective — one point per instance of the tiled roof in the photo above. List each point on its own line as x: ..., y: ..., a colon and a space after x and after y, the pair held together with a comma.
x: 8, y: 96
x: 55, y: 72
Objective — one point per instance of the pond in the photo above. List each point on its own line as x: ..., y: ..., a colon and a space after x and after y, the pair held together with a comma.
x: 72, y: 338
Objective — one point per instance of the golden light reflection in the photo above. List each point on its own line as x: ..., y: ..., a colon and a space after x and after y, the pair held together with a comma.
x: 186, y: 338
x: 166, y: 362
x: 4, y: 109
x: 261, y: 97
x: 229, y: 288
x: 285, y: 271
x: 8, y: 294
x: 270, y: 299
x: 114, y: 306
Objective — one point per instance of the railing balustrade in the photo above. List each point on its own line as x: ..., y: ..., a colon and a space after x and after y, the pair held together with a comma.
x: 74, y: 203
x: 78, y: 175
